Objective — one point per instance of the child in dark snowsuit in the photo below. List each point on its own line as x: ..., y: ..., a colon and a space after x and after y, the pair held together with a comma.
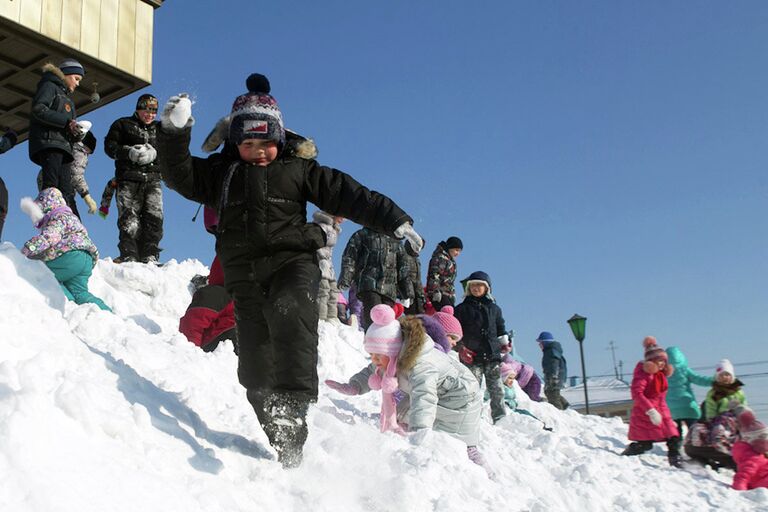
x: 63, y: 245
x: 76, y: 170
x: 650, y: 420
x: 555, y: 369
x: 374, y: 263
x: 441, y: 273
x: 485, y: 337
x: 267, y: 248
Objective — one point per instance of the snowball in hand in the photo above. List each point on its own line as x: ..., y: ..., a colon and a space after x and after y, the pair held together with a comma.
x: 181, y: 112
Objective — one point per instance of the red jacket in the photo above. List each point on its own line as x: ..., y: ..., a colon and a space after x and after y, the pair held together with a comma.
x: 752, y: 467
x: 649, y: 391
x: 210, y: 317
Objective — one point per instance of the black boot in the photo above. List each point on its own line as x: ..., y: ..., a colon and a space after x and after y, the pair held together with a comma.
x: 283, y: 419
x: 673, y: 451
x: 637, y: 447
x: 675, y: 459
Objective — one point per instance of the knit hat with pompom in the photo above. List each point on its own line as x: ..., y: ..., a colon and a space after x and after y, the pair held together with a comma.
x: 653, y: 351
x: 450, y: 323
x: 255, y: 114
x: 385, y: 337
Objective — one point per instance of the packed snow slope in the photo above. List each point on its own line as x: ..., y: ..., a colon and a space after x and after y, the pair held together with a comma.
x: 119, y: 412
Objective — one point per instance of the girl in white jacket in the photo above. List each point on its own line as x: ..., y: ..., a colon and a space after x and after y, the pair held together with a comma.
x: 442, y: 393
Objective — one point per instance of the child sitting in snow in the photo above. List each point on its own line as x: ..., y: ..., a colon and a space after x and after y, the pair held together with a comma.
x: 526, y: 376
x: 508, y: 376
x: 63, y: 245
x: 442, y: 394
x: 650, y: 420
x: 750, y: 451
x: 268, y: 249
x: 711, y: 440
x: 726, y: 389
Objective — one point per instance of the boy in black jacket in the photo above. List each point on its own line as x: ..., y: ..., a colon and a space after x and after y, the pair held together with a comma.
x: 485, y: 337
x: 267, y: 248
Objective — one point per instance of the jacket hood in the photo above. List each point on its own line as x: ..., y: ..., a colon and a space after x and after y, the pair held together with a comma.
x: 415, y: 341
x: 676, y: 357
x: 50, y: 198
x: 478, y: 275
x: 53, y: 69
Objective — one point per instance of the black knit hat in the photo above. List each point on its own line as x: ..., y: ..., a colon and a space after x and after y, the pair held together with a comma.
x: 453, y: 242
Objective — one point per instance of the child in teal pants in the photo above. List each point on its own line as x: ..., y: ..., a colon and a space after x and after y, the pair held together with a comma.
x: 63, y: 245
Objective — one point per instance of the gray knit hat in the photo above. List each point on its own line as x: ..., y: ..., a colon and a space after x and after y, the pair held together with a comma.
x: 71, y: 67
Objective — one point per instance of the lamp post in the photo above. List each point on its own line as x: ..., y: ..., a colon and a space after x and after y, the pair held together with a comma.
x: 578, y: 326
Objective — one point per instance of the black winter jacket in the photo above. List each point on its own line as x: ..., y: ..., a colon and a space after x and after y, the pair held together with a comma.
x: 553, y: 365
x: 52, y: 109
x: 482, y: 323
x: 263, y: 210
x: 127, y: 132
x: 374, y: 262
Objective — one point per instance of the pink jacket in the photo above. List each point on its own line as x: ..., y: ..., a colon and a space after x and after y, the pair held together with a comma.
x: 649, y: 391
x: 752, y: 467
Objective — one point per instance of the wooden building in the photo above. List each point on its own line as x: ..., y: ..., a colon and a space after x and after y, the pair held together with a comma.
x: 111, y: 38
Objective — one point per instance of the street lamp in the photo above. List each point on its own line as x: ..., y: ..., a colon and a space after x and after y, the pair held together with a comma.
x: 578, y: 326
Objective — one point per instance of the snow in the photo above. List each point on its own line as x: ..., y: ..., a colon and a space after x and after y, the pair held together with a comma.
x: 119, y: 412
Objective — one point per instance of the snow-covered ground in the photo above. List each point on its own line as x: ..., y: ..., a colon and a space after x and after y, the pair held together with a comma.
x: 118, y: 412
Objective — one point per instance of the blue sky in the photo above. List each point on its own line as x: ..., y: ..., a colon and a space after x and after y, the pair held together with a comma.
x: 600, y: 158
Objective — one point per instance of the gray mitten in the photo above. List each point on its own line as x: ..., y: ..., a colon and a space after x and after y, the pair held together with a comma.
x: 217, y: 136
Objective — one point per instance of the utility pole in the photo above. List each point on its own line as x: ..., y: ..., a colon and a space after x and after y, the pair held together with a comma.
x: 612, y: 347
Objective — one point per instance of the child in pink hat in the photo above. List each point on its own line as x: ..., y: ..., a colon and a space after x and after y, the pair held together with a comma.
x: 442, y: 394
x: 651, y: 420
x: 750, y: 452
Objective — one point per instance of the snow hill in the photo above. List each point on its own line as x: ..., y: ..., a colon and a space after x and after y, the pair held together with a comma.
x: 118, y: 412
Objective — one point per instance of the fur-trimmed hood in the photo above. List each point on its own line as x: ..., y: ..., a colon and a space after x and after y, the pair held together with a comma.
x: 415, y: 342
x: 52, y: 68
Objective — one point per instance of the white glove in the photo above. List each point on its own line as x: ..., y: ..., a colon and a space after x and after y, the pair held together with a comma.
x: 142, y: 154
x: 406, y: 303
x: 177, y: 113
x: 654, y: 416
x: 406, y: 231
x: 503, y: 343
x: 151, y: 153
x: 136, y: 153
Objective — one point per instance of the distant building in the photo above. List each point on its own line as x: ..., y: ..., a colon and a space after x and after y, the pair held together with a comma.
x: 111, y: 38
x: 608, y: 397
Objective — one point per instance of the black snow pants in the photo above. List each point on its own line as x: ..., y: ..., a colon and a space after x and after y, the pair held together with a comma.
x: 3, y: 206
x: 277, y: 316
x: 57, y: 175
